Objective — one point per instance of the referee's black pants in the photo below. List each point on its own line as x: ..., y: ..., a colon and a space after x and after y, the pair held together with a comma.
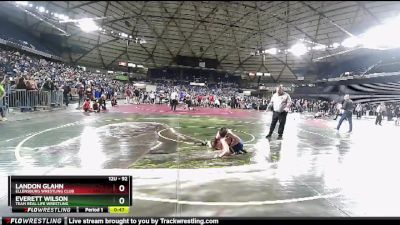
x: 281, y: 117
x: 378, y: 119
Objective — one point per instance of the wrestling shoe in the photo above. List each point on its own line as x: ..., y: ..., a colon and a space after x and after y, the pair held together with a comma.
x: 279, y: 137
x: 268, y: 136
x: 209, y: 144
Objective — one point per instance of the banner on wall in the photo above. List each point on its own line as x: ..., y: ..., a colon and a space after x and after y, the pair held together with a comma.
x: 150, y: 88
x: 246, y: 93
x: 197, y: 84
x: 140, y: 85
x: 266, y: 88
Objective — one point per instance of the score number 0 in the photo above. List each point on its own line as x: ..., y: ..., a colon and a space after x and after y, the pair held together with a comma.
x: 121, y: 188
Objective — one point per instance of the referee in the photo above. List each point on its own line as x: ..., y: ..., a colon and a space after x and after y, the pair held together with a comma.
x: 280, y: 103
x: 174, y: 100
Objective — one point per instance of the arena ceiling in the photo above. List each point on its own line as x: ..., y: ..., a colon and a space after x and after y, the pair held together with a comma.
x: 228, y: 31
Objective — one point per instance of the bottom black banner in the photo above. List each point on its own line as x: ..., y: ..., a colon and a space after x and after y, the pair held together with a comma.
x: 187, y: 220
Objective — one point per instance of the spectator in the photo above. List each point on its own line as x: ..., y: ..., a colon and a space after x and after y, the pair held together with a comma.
x: 21, y: 84
x: 348, y: 107
x: 2, y: 94
x: 81, y: 94
x: 48, y: 85
x: 359, y: 111
x: 379, y: 114
x: 66, y: 91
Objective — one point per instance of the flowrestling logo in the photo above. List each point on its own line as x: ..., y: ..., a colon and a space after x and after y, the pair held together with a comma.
x: 30, y: 220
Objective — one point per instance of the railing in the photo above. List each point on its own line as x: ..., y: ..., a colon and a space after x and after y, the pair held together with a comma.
x: 31, y: 50
x: 32, y: 99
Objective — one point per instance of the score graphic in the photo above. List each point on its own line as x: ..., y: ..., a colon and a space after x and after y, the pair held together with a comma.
x: 66, y: 194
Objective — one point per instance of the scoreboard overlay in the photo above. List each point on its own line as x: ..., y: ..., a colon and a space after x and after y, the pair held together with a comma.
x: 68, y: 194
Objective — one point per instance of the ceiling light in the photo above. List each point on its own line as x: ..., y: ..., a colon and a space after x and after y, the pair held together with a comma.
x: 47, y: 11
x: 384, y: 36
x: 30, y: 5
x: 88, y: 25
x: 298, y: 49
x: 319, y: 47
x: 130, y: 36
x: 335, y: 45
x: 23, y: 3
x: 62, y: 18
x: 272, y: 51
x: 41, y: 9
x: 351, y: 42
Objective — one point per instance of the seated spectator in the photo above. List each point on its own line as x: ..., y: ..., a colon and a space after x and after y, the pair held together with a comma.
x: 86, y: 106
x: 114, y: 101
x: 95, y: 106
x: 102, y: 102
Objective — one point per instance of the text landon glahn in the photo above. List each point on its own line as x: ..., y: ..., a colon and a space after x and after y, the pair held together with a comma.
x: 41, y: 200
x: 45, y: 188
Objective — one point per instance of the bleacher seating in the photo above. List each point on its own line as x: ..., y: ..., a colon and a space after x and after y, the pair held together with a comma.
x: 17, y: 35
x: 386, y: 67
